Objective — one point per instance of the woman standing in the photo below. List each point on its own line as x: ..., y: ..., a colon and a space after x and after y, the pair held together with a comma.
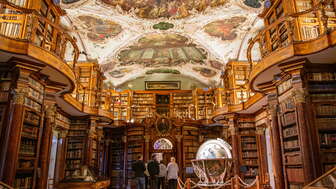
x: 172, y: 173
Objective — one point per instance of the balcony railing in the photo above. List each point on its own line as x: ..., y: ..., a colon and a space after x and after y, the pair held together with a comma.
x: 304, y: 26
x: 27, y: 25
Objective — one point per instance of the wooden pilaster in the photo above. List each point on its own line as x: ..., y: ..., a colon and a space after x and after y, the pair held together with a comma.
x: 46, y: 146
x: 14, y: 136
x: 276, y: 142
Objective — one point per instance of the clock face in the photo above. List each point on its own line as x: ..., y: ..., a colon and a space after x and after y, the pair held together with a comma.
x: 213, y: 149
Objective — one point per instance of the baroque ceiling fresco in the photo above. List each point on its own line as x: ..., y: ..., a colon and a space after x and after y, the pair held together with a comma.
x: 135, y: 38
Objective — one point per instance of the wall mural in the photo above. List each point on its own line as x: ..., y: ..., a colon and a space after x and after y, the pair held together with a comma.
x: 224, y: 29
x: 99, y: 30
x: 206, y: 72
x: 157, y: 50
x: 152, y: 9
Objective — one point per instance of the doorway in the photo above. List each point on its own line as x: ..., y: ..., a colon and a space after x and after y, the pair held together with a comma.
x: 164, y: 149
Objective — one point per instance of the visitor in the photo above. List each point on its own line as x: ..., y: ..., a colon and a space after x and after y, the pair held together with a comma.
x: 153, y: 170
x: 172, y: 173
x: 162, y: 176
x: 139, y: 170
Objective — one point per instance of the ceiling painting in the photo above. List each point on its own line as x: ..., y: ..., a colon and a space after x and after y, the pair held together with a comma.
x: 99, y: 30
x: 153, y: 9
x: 194, y: 40
x: 157, y: 50
x: 119, y: 73
x: 224, y: 29
x: 163, y: 71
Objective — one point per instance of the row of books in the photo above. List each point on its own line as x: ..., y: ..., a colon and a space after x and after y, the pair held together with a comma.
x: 23, y: 183
x: 250, y: 154
x: 36, y: 85
x: 291, y: 144
x: 77, y: 133
x: 322, y: 76
x: 289, y: 118
x: 250, y: 162
x: 32, y: 104
x: 249, y: 146
x: 62, y: 118
x: 293, y: 158
x: 75, y: 145
x: 322, y: 87
x: 75, y: 154
x: 28, y: 147
x: 248, y: 139
x: 35, y: 94
x: 290, y: 131
x: 329, y: 157
x: 32, y: 118
x: 327, y: 109
x: 29, y: 131
x: 328, y: 139
x: 284, y: 86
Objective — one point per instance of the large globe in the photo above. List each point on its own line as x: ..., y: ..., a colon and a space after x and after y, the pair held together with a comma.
x: 213, y: 162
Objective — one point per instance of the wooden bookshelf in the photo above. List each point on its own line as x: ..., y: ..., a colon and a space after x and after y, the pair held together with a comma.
x: 30, y: 136
x: 182, y: 105
x: 204, y: 103
x: 116, y: 155
x: 290, y: 139
x: 248, y: 145
x: 322, y: 87
x: 143, y: 105
x: 135, y: 147
x: 190, y: 144
x: 76, y: 146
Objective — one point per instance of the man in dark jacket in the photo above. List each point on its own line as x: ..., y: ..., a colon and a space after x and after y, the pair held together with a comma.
x: 153, y: 170
x: 139, y: 168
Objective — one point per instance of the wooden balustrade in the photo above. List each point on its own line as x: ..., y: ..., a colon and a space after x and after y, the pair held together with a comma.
x: 298, y: 27
x: 28, y: 25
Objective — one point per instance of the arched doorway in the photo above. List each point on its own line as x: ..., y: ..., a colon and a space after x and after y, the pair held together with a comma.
x: 164, y: 148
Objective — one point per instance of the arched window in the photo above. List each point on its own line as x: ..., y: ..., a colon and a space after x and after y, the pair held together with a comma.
x: 163, y: 144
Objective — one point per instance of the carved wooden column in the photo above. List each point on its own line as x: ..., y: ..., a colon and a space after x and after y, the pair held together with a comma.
x: 179, y: 151
x: 46, y: 143
x: 125, y: 171
x: 235, y: 145
x: 299, y: 97
x: 106, y: 158
x: 14, y: 136
x: 147, y: 146
x: 276, y: 142
x: 61, y: 155
x: 260, y: 134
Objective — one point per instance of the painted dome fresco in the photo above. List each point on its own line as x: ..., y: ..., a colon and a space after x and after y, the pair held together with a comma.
x: 135, y: 39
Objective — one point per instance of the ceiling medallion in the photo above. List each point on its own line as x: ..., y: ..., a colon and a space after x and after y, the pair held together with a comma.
x: 163, y: 26
x: 176, y: 9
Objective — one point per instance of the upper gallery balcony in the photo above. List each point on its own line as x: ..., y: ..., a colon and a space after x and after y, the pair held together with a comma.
x: 294, y: 29
x: 32, y: 31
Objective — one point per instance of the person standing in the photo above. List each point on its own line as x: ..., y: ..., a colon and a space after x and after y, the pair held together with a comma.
x: 162, y: 176
x: 153, y: 170
x: 139, y: 170
x: 172, y: 173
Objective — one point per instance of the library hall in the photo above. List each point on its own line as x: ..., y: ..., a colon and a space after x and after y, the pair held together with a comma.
x: 167, y: 94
